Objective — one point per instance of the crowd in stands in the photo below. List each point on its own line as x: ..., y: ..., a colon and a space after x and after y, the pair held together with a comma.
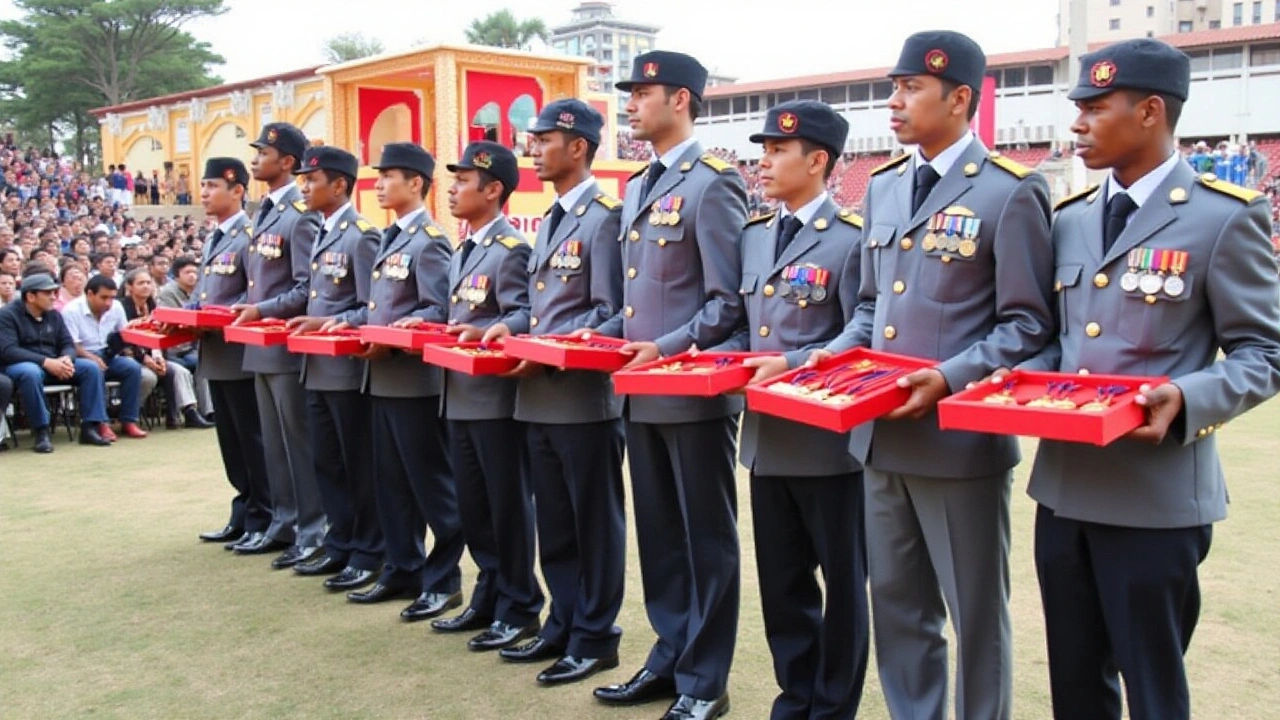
x: 106, y: 269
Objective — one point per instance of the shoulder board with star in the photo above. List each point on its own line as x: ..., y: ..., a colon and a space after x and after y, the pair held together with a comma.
x: 715, y: 163
x: 1244, y: 195
x: 891, y: 164
x: 609, y: 201
x: 300, y: 206
x: 763, y: 217
x: 432, y: 231
x: 1074, y: 197
x: 851, y: 217
x: 1015, y: 169
x: 364, y: 225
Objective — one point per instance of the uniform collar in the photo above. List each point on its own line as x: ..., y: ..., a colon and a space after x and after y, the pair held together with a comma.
x: 230, y: 222
x: 481, y: 233
x: 807, y: 211
x: 571, y: 198
x: 277, y: 195
x: 672, y: 156
x: 1142, y: 190
x: 405, y: 220
x: 946, y: 158
x: 332, y: 220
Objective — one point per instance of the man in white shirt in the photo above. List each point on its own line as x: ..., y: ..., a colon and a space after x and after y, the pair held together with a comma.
x: 95, y: 320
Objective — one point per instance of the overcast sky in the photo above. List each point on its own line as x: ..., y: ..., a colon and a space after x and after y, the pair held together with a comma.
x: 750, y: 39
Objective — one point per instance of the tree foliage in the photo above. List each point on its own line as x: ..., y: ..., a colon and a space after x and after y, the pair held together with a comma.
x: 70, y: 56
x: 503, y: 29
x: 351, y: 46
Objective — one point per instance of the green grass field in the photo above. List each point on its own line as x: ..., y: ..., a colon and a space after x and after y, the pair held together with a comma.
x: 110, y: 608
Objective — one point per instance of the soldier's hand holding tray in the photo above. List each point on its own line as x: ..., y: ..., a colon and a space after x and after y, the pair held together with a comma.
x: 1163, y: 404
x: 304, y: 323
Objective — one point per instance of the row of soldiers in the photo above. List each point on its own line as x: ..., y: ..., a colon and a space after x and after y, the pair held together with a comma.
x: 958, y: 259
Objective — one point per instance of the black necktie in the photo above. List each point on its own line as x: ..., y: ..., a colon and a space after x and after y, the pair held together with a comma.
x: 656, y: 168
x: 557, y: 214
x: 787, y: 230
x: 1119, y: 207
x: 217, y: 237
x: 390, y: 234
x: 926, y: 178
x: 467, y: 246
x: 264, y: 209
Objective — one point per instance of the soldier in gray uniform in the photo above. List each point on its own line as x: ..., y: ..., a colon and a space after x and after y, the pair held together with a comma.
x: 223, y: 282
x: 338, y: 412
x: 681, y: 222
x: 277, y: 266
x: 957, y: 267
x: 1157, y: 271
x: 488, y: 295
x: 414, y: 484
x: 575, y: 418
x: 800, y: 273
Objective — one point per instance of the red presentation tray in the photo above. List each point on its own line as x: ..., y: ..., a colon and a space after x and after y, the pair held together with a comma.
x: 339, y: 342
x: 969, y: 410
x: 209, y: 316
x: 149, y: 335
x: 263, y: 333
x: 704, y: 374
x: 471, y: 358
x: 407, y: 338
x: 594, y: 352
x: 878, y: 398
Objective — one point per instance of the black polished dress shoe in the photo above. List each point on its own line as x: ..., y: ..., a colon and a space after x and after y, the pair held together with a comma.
x: 349, y: 579
x: 378, y: 593
x: 572, y: 669
x: 467, y: 621
x: 294, y: 555
x: 500, y: 635
x: 320, y: 565
x: 536, y: 650
x: 226, y: 534
x: 260, y: 546
x: 643, y: 687
x: 44, y: 441
x: 89, y: 435
x: 429, y: 605
x: 192, y: 419
x: 244, y: 537
x: 687, y: 707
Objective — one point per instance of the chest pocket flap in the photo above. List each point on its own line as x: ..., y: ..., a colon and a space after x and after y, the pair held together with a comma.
x: 749, y: 282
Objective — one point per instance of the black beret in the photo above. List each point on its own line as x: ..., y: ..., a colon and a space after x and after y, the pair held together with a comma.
x: 1141, y: 64
x: 406, y: 156
x: 807, y: 119
x: 225, y: 168
x: 944, y: 54
x: 284, y: 137
x: 663, y: 67
x: 493, y: 159
x: 327, y: 157
x: 571, y: 116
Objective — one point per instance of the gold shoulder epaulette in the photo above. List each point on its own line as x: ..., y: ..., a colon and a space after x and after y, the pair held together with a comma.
x: 850, y: 217
x: 1015, y: 169
x: 716, y: 163
x: 763, y: 217
x: 638, y: 173
x: 364, y: 225
x: 1242, y: 194
x: 300, y: 206
x: 432, y: 231
x: 608, y: 201
x: 510, y: 243
x: 891, y: 164
x: 1074, y: 197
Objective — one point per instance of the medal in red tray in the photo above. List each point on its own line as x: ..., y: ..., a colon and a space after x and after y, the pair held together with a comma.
x: 271, y: 332
x: 153, y: 335
x: 589, y: 352
x: 702, y: 374
x: 333, y: 343
x: 840, y: 392
x: 470, y: 358
x: 407, y: 338
x: 209, y: 317
x: 1094, y: 409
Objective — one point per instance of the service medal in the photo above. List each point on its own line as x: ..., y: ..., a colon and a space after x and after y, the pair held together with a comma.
x: 1150, y: 283
x: 930, y: 242
x: 968, y: 248
x: 1129, y: 281
x: 1174, y: 286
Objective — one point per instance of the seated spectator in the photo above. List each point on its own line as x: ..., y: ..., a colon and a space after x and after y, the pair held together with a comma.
x: 11, y: 261
x: 159, y: 266
x: 177, y: 292
x: 73, y: 279
x: 94, y: 322
x: 8, y: 288
x: 107, y: 264
x: 178, y: 382
x: 35, y: 348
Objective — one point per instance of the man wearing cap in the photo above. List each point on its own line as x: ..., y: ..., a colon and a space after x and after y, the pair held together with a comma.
x: 338, y: 414
x: 414, y: 483
x: 574, y: 417
x: 488, y: 297
x: 681, y: 222
x: 1158, y: 270
x: 223, y: 282
x: 800, y: 274
x: 279, y: 278
x: 957, y: 267
x: 36, y: 349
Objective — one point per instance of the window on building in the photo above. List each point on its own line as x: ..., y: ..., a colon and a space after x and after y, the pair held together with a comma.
x: 608, y: 38
x: 770, y: 100
x: 607, y: 54
x: 1199, y: 61
x: 881, y: 90
x: 998, y: 77
x: 860, y: 92
x: 1185, y: 26
x: 1040, y: 75
x: 785, y: 96
x: 1115, y: 3
x: 753, y: 103
x: 719, y: 107
x: 1215, y: 24
x: 1261, y: 55
x: 1257, y: 13
x: 1277, y: 12
x: 740, y: 105
x: 1151, y: 11
x: 1237, y: 14
x: 1015, y: 77
x: 810, y: 94
x: 1230, y: 59
x: 1114, y: 24
x: 835, y: 95
x: 1150, y: 34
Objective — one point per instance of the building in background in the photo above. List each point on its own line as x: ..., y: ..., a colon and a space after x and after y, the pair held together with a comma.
x: 594, y: 32
x: 1111, y: 20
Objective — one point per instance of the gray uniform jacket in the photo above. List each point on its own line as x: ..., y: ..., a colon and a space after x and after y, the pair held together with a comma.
x: 984, y: 303
x: 681, y: 241
x: 341, y: 263
x: 582, y: 289
x: 491, y: 287
x: 794, y: 317
x: 223, y: 282
x: 277, y: 265
x: 409, y: 279
x: 1229, y: 303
